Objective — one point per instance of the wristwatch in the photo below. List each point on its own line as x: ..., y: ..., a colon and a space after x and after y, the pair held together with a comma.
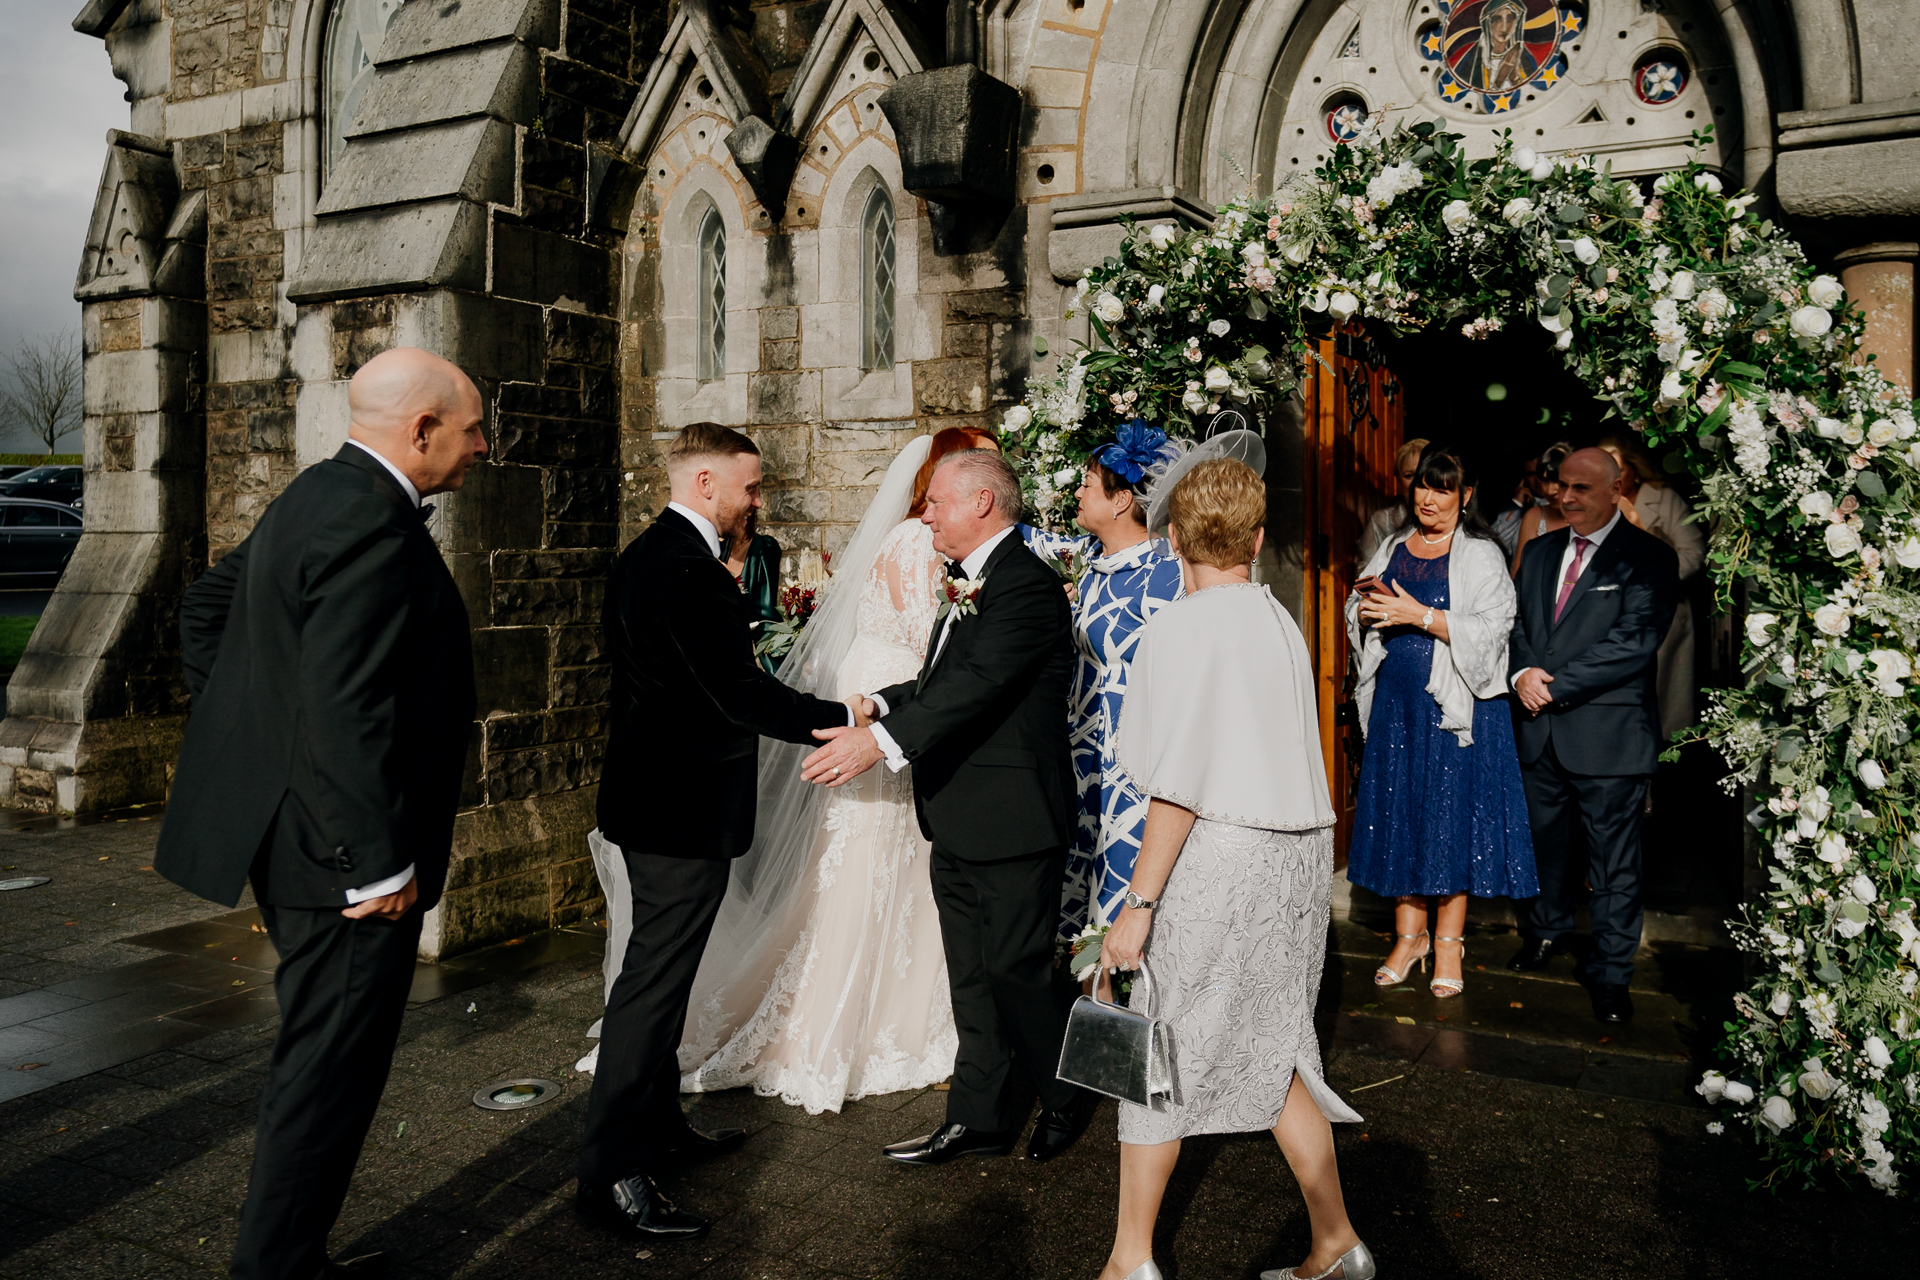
x: 1139, y: 903
x: 1426, y: 623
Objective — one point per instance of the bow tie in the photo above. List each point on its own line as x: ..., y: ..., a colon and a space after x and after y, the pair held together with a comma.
x: 955, y: 571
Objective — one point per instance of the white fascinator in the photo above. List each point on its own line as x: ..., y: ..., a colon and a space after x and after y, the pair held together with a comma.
x: 1238, y: 443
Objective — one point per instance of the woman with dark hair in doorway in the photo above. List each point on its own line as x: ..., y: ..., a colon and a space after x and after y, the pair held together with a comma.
x: 1441, y: 812
x: 1545, y: 516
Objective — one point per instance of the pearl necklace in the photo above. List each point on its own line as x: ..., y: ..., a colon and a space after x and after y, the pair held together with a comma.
x: 1434, y: 542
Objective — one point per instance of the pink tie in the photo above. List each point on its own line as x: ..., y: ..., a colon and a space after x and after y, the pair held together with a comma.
x: 1580, y: 546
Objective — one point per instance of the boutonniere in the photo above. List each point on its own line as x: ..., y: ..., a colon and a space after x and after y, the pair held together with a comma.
x: 1069, y: 564
x: 963, y: 598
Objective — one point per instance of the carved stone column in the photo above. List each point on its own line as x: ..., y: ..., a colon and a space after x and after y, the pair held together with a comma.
x: 1879, y: 276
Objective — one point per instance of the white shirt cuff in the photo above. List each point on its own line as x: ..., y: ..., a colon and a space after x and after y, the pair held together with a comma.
x: 896, y: 758
x: 880, y: 706
x: 380, y: 888
x: 1513, y: 682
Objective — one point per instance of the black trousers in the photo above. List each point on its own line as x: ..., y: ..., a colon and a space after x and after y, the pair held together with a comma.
x: 1608, y: 810
x: 342, y: 988
x: 634, y: 1109
x: 997, y: 920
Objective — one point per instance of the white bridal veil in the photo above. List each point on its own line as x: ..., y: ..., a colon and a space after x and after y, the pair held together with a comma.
x: 766, y: 878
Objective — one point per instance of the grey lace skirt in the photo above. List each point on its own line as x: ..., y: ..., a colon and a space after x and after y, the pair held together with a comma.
x: 1238, y: 941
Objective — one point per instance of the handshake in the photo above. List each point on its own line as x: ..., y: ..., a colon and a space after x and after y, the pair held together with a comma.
x: 848, y: 752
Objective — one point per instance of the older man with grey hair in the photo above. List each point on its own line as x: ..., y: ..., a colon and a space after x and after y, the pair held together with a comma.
x: 985, y: 729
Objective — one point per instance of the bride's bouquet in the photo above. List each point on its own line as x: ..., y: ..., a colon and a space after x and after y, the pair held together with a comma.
x: 799, y: 597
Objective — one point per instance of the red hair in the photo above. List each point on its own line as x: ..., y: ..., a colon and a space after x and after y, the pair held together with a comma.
x: 951, y: 440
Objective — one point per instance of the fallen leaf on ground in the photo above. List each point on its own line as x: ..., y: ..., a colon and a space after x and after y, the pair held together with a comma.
x: 1515, y: 1004
x: 30, y: 1066
x: 239, y: 982
x: 1403, y: 1020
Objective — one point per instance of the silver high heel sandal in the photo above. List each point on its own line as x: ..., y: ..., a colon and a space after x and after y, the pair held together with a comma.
x: 1355, y: 1264
x: 1447, y: 988
x: 1145, y: 1271
x: 1385, y: 977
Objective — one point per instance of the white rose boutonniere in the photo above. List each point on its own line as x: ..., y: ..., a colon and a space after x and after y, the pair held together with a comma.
x: 963, y: 598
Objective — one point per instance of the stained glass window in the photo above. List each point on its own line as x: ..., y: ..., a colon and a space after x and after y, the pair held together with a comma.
x: 712, y: 360
x: 876, y: 281
x: 355, y: 29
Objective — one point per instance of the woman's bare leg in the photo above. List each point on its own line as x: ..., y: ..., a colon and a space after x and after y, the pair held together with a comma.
x: 1409, y: 921
x: 1144, y: 1170
x: 1450, y: 921
x: 1306, y: 1140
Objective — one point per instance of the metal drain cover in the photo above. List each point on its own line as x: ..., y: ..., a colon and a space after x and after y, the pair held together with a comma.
x: 515, y: 1095
x: 24, y: 882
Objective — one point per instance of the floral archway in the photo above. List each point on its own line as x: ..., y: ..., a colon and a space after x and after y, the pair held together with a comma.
x: 1710, y: 335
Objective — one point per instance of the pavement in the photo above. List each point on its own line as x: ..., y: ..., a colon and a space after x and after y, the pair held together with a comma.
x: 1506, y: 1133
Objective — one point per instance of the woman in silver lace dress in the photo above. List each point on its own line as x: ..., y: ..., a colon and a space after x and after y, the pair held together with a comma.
x: 1227, y: 913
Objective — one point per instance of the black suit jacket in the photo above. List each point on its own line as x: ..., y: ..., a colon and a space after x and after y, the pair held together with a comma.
x: 985, y: 725
x: 331, y: 667
x: 1604, y: 719
x: 689, y: 701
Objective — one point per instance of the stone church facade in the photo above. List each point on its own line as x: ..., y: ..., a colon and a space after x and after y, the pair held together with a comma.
x: 834, y: 224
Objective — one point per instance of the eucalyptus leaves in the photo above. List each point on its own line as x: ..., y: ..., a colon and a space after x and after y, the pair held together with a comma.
x: 1706, y: 330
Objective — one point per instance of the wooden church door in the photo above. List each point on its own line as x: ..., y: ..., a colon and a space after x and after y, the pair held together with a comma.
x: 1354, y: 425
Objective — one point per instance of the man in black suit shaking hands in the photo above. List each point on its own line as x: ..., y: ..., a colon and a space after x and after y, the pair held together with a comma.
x: 985, y: 729
x: 677, y: 795
x: 1596, y: 599
x: 332, y: 678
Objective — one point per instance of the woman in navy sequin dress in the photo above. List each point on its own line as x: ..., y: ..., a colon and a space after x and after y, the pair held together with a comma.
x: 1441, y: 813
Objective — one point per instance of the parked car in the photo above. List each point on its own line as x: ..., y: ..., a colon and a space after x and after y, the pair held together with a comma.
x: 36, y: 540
x: 11, y: 469
x: 57, y: 483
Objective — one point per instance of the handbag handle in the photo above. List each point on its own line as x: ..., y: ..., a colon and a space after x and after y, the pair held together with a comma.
x: 1145, y: 976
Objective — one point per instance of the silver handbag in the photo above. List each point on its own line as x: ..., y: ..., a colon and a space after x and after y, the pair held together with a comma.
x: 1118, y: 1051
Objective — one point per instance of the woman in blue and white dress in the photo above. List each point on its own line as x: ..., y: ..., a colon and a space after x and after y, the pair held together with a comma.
x: 1125, y: 576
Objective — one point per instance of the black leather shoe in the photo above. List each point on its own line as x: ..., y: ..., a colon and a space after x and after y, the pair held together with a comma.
x: 368, y: 1266
x: 1055, y: 1131
x: 1534, y: 954
x: 1612, y: 1002
x: 635, y: 1208
x: 695, y: 1143
x: 951, y: 1140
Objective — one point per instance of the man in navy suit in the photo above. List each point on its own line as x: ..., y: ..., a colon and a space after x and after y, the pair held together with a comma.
x: 1596, y: 599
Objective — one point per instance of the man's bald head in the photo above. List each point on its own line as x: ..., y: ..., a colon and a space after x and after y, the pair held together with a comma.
x: 419, y: 412
x: 1589, y: 489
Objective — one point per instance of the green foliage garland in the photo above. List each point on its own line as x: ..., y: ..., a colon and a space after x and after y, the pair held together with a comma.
x: 1708, y: 333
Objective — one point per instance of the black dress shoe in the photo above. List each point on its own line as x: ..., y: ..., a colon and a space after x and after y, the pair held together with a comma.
x: 1055, y: 1131
x: 1612, y: 1002
x: 695, y: 1142
x: 1534, y: 954
x: 635, y: 1208
x: 368, y: 1266
x: 951, y: 1140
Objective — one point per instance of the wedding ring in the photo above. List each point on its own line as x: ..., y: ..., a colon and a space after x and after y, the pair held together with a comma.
x: 836, y: 771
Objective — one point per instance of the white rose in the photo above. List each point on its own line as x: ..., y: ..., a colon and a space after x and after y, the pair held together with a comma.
x: 1737, y: 1093
x: 1861, y: 890
x: 1671, y: 387
x: 1297, y: 252
x: 1711, y: 1086
x: 1554, y: 323
x: 1519, y: 211
x: 1810, y: 321
x: 1877, y: 1052
x: 1806, y: 828
x: 1707, y: 182
x: 1524, y: 158
x: 1890, y: 667
x: 1564, y: 341
x: 1681, y: 286
x: 1781, y: 1004
x: 1586, y: 250
x: 1832, y: 619
x: 1017, y: 420
x: 1816, y: 1080
x: 1658, y: 280
x: 1907, y: 552
x: 1778, y: 1113
x: 1109, y: 308
x: 1542, y: 171
x: 1065, y: 476
x: 1828, y: 428
x: 1690, y: 360
x: 1194, y: 401
x: 1882, y: 433
x: 1457, y: 215
x: 1342, y: 306
x: 1162, y: 234
x: 1833, y: 850
x: 1871, y: 774
x: 1817, y: 804
x: 1712, y: 304
x: 1155, y: 293
x: 1850, y: 434
x: 1757, y: 624
x: 1842, y: 540
x: 1818, y: 504
x: 1825, y: 291
x: 1218, y: 379
x: 1219, y: 328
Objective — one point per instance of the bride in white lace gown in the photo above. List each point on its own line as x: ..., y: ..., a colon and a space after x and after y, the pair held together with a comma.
x: 825, y: 980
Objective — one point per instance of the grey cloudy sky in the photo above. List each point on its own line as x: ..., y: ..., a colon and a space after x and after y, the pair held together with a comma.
x: 58, y: 98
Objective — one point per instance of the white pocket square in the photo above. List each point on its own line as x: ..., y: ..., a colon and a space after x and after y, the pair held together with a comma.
x: 1612, y: 586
